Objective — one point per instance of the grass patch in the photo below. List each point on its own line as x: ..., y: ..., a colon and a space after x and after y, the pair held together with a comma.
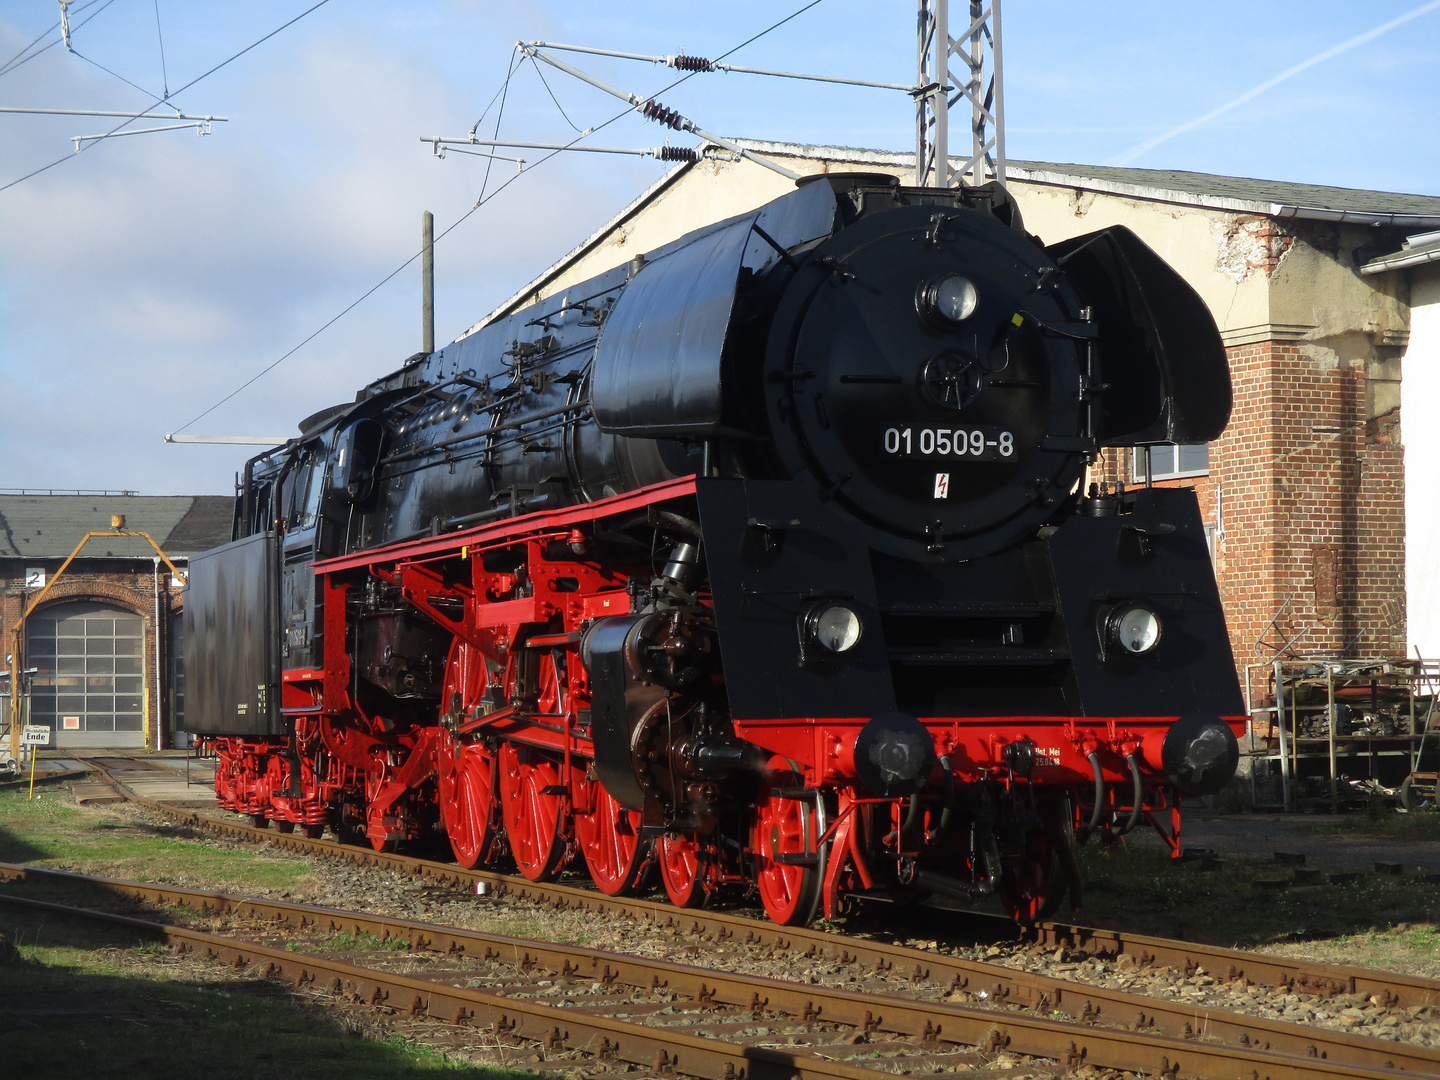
x: 74, y: 1012
x: 361, y: 942
x: 1416, y: 825
x: 1143, y: 891
x: 51, y: 831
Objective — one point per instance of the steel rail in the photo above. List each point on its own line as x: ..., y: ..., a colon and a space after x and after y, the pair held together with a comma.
x: 1391, y: 988
x: 905, y: 1015
x: 1067, y: 1042
x: 1022, y: 987
x: 556, y: 1028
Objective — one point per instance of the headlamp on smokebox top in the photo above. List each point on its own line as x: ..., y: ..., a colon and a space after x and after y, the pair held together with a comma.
x: 829, y: 630
x: 947, y: 301
x: 1130, y: 630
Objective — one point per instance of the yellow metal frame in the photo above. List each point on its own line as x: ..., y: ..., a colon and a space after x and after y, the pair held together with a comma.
x: 19, y: 628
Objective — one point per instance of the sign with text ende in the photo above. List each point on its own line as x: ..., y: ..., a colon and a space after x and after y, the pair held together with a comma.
x: 36, y: 735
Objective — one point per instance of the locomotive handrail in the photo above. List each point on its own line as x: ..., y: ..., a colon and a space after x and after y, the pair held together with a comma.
x: 420, y: 451
x: 563, y: 517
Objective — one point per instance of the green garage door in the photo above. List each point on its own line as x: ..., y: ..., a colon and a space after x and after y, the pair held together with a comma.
x: 89, y: 684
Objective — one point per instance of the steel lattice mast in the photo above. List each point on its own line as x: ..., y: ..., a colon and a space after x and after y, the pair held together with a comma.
x: 937, y: 89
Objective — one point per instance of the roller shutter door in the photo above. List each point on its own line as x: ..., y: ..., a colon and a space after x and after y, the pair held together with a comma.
x: 89, y: 685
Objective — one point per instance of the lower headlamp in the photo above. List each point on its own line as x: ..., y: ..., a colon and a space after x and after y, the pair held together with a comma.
x: 1132, y: 629
x: 835, y: 627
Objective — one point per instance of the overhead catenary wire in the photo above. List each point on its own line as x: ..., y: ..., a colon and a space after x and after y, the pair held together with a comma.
x: 653, y: 110
x: 21, y: 58
x: 146, y: 113
x: 110, y: 112
x: 115, y: 74
x: 546, y: 83
x: 681, y: 62
x: 481, y: 201
x: 504, y: 96
x: 164, y: 73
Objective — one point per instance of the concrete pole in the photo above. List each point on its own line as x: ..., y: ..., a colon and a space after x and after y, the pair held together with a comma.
x: 427, y: 285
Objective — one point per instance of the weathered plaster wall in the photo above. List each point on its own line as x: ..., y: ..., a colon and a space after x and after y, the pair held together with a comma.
x: 1422, y: 463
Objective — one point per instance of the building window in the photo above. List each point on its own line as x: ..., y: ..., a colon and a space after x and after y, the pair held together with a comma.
x: 177, y: 673
x: 1170, y: 461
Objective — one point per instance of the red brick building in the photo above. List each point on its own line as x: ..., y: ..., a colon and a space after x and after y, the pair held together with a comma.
x: 101, y: 652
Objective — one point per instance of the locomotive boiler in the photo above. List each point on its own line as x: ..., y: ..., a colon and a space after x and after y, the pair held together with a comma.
x: 764, y: 563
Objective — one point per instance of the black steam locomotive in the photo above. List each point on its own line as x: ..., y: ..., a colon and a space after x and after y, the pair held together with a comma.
x: 762, y: 563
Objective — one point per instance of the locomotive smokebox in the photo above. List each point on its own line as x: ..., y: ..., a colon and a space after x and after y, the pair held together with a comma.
x: 894, y: 755
x: 1199, y: 754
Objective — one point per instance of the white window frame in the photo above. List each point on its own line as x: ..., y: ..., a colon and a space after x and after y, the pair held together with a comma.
x: 1139, y: 453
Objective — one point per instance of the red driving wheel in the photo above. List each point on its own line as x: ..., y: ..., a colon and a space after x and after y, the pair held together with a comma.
x: 789, y: 867
x: 465, y: 771
x: 609, y: 838
x: 533, y: 808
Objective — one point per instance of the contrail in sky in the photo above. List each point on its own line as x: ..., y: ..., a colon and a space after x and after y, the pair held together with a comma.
x: 1345, y: 46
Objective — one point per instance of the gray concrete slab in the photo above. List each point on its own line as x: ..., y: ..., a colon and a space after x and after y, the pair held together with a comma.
x: 171, y: 789
x: 96, y: 794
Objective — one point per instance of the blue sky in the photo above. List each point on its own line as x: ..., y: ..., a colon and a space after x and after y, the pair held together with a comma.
x: 145, y: 279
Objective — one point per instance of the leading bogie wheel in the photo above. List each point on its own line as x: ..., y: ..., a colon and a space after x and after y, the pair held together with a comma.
x: 1033, y: 883
x: 790, y: 867
x: 534, y: 810
x: 682, y: 871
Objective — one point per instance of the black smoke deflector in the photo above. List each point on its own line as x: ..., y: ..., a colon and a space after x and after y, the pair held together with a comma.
x: 1162, y: 360
x: 657, y: 366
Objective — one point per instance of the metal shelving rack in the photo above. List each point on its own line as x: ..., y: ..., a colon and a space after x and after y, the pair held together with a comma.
x: 1396, y: 697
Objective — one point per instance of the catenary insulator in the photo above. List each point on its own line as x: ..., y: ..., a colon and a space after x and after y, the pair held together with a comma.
x: 676, y: 153
x: 653, y: 110
x: 690, y: 63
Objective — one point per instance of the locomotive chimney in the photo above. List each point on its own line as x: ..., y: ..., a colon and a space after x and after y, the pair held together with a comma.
x: 427, y: 283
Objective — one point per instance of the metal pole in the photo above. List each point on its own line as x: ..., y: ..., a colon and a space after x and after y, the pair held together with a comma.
x: 977, y: 79
x: 999, y: 111
x: 1284, y: 744
x: 1334, y: 719
x: 932, y: 99
x: 922, y: 79
x: 941, y: 97
x: 427, y: 284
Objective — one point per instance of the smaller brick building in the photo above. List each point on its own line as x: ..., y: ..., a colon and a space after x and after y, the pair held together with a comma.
x: 101, y: 655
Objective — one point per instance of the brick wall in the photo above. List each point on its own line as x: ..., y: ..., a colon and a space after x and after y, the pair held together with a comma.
x: 124, y: 584
x: 1312, y: 506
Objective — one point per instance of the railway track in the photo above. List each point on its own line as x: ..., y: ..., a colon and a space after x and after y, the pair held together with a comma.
x: 660, y: 1014
x: 960, y: 979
